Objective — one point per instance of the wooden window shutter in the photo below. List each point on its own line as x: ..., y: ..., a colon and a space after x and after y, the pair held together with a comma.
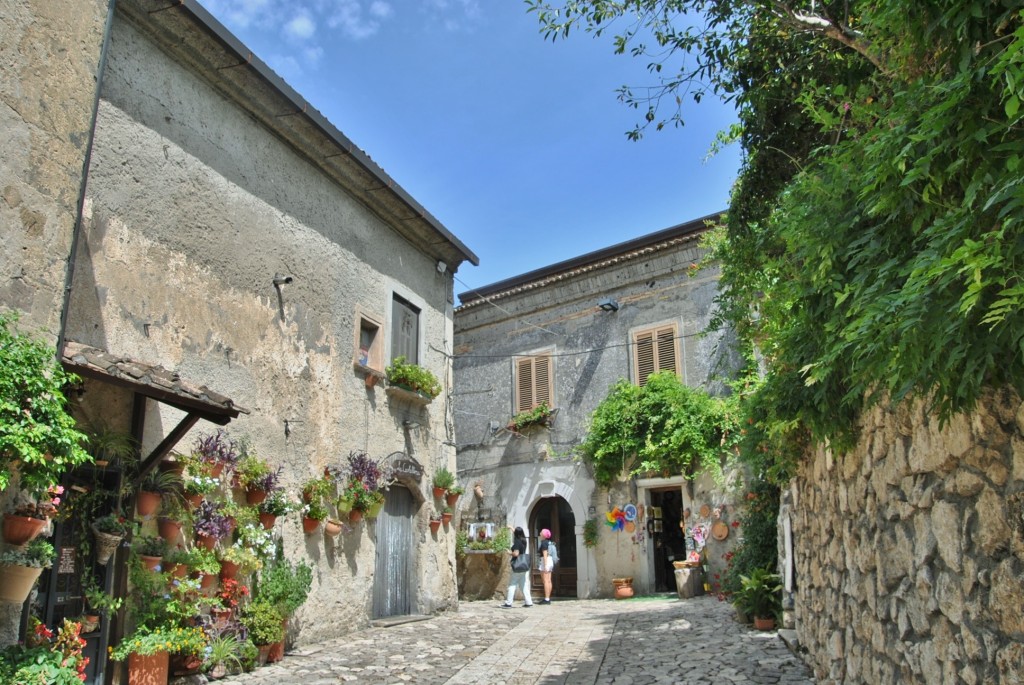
x: 655, y: 350
x: 533, y: 382
x: 643, y: 356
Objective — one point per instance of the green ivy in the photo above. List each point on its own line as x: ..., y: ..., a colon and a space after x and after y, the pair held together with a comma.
x: 663, y: 425
x: 38, y: 437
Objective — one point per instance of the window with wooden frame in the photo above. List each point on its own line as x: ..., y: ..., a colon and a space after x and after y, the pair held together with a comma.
x: 534, y: 382
x: 369, y: 341
x: 655, y: 349
x: 405, y: 330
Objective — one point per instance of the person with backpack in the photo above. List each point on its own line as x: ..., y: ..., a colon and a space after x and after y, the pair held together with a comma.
x: 548, y: 558
x: 520, y: 570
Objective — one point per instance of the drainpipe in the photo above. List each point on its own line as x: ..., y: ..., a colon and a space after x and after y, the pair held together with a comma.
x: 77, y: 230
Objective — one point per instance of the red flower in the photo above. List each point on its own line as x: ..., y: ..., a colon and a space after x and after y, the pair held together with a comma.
x: 735, y: 524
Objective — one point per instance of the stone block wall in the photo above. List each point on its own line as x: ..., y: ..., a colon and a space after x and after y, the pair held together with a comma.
x: 908, y: 550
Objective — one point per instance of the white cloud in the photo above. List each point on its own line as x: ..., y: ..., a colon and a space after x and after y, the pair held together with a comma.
x: 381, y: 9
x: 301, y: 27
x: 455, y: 15
x: 357, y: 20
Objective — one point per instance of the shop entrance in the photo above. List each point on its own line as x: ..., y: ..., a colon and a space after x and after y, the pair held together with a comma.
x: 666, y: 536
x: 555, y: 514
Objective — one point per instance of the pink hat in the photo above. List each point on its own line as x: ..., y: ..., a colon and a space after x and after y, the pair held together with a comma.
x: 546, y: 534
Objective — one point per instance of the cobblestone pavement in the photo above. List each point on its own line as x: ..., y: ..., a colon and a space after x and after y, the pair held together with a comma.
x: 639, y: 641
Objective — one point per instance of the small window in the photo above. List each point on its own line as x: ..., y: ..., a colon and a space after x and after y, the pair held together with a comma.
x: 534, y: 382
x: 369, y: 341
x: 655, y: 349
x: 405, y: 333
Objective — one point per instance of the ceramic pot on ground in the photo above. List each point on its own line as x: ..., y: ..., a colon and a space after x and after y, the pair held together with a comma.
x: 764, y: 623
x: 148, y: 670
x: 19, y: 530
x: 623, y: 587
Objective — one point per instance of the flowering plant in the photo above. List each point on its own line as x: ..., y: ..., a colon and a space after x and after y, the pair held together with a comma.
x: 113, y: 524
x: 209, y: 521
x: 45, y: 660
x: 258, y: 539
x: 150, y: 546
x: 200, y: 485
x: 150, y: 641
x: 247, y: 560
x: 216, y: 449
x: 45, y: 507
x: 232, y: 592
x: 277, y: 504
x: 315, y: 510
x: 251, y: 470
x: 365, y: 470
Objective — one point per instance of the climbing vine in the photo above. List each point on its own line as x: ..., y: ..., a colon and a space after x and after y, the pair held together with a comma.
x: 662, y: 426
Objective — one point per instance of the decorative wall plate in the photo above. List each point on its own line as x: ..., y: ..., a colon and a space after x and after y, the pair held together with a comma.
x: 705, y: 511
x: 630, y: 511
x: 719, y: 530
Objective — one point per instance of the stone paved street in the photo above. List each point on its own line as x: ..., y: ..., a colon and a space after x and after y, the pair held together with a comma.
x: 593, y: 642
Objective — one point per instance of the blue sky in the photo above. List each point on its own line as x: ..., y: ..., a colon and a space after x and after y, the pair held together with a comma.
x: 516, y: 144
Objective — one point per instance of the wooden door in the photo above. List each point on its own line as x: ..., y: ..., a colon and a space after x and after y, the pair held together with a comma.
x: 555, y: 514
x: 394, y: 588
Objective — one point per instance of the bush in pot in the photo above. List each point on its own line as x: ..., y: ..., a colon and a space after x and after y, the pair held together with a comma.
x: 20, y: 568
x: 264, y: 622
x: 760, y: 595
x: 209, y: 521
x: 284, y: 585
x: 412, y: 376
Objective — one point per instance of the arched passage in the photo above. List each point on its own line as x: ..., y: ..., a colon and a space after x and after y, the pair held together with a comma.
x: 555, y: 514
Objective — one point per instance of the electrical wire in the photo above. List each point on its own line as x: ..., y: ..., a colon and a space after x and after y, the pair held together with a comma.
x: 500, y: 308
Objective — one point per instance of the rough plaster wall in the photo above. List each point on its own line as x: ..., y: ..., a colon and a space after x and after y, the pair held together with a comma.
x: 191, y: 211
x: 49, y: 53
x: 591, y: 356
x: 909, y: 549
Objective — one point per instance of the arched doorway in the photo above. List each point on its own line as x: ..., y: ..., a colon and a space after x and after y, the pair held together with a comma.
x: 394, y: 584
x: 555, y: 514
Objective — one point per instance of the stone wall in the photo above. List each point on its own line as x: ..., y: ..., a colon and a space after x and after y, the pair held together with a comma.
x: 909, y: 554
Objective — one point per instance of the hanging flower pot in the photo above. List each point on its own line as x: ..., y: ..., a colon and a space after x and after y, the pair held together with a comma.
x: 208, y: 580
x: 435, y: 524
x: 217, y: 469
x: 309, y: 526
x: 206, y: 541
x: 148, y: 670
x: 106, y: 544
x: 228, y: 569
x: 332, y: 527
x: 194, y: 500
x: 344, y: 505
x: 446, y: 517
x: 151, y: 563
x: 255, y: 496
x: 169, y: 529
x: 19, y: 530
x: 178, y: 570
x: 439, y: 492
x: 355, y: 516
x: 16, y: 582
x: 373, y: 511
x: 267, y: 520
x: 147, y: 502
x: 221, y: 616
x: 451, y: 498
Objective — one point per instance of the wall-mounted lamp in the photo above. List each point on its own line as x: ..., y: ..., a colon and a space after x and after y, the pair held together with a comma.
x: 282, y: 279
x: 608, y: 305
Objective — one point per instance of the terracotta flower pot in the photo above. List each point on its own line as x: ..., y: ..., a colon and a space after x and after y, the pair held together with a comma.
x: 446, y: 518
x: 264, y: 654
x: 194, y: 500
x: 229, y: 569
x: 309, y: 526
x: 178, y: 570
x: 169, y: 529
x: 450, y: 499
x: 764, y: 623
x: 217, y: 470
x: 147, y: 502
x: 332, y: 527
x: 254, y: 496
x: 206, y: 541
x: 267, y: 520
x: 208, y: 580
x: 19, y: 530
x: 623, y: 587
x: 276, y: 652
x: 16, y: 582
x: 148, y: 670
x: 355, y: 516
x: 151, y: 563
x: 435, y: 525
x: 222, y: 616
x: 439, y: 492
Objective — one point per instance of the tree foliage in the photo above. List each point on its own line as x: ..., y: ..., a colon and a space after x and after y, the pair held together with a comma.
x: 38, y: 437
x: 873, y: 246
x: 663, y: 425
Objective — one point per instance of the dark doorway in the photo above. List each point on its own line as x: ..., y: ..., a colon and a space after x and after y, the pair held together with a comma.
x: 555, y: 514
x: 666, y: 535
x: 394, y: 585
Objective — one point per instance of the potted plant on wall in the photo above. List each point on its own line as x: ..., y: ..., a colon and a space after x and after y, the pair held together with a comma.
x: 435, y: 523
x: 156, y: 486
x: 760, y: 596
x: 20, y: 568
x: 209, y: 524
x: 541, y: 415
x: 215, y: 454
x: 443, y: 480
x: 312, y: 514
x: 413, y: 378
x: 256, y: 477
x: 151, y: 550
x: 452, y: 494
x: 276, y: 504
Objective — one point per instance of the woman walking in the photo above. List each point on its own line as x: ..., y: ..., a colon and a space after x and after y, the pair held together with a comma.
x: 520, y: 570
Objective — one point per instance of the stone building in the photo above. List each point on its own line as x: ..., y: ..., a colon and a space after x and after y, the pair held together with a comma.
x: 564, y: 334
x: 177, y: 218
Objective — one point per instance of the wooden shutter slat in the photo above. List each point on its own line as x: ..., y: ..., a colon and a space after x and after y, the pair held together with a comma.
x: 644, y: 353
x: 542, y: 381
x: 524, y: 385
x: 667, y: 350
